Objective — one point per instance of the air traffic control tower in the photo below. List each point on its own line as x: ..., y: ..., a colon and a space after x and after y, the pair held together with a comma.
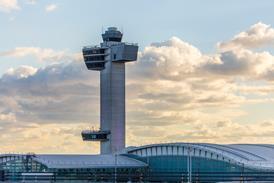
x: 109, y: 59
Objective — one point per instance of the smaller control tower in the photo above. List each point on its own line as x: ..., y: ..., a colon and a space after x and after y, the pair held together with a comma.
x: 109, y: 58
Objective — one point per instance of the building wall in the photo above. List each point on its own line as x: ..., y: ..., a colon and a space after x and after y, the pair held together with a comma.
x: 170, y: 168
x: 113, y: 106
x: 174, y: 168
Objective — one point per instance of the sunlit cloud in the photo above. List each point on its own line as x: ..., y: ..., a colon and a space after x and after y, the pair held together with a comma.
x: 174, y: 89
x: 41, y: 54
x: 257, y: 35
x: 51, y: 7
x: 7, y: 6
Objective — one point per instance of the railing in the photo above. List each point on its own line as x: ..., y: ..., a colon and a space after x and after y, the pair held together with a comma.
x: 92, y: 46
x: 118, y: 43
x: 133, y: 44
x: 95, y: 132
x: 149, y: 176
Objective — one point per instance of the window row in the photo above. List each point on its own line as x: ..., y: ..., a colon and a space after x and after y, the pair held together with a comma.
x: 94, y: 51
x: 94, y: 58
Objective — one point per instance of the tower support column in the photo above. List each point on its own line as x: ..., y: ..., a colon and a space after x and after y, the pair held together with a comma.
x: 112, y: 113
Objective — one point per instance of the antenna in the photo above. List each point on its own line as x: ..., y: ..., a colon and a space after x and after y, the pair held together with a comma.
x: 122, y: 29
x: 102, y: 29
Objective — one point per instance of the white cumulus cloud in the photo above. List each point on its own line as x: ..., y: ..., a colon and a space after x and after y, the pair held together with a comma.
x: 51, y: 7
x: 9, y: 5
x: 21, y: 72
x: 257, y: 35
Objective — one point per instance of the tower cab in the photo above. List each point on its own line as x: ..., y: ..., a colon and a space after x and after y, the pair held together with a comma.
x: 112, y: 49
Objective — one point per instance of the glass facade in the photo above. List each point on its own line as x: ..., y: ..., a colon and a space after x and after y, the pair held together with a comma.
x: 175, y: 168
x: 11, y: 168
x: 159, y: 163
x: 23, y: 168
x: 182, y: 162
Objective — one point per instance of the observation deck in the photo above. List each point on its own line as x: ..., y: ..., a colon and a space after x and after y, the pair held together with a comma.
x: 95, y: 135
x: 95, y: 57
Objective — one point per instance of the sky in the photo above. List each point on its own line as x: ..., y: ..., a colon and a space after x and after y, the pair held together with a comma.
x: 205, y: 72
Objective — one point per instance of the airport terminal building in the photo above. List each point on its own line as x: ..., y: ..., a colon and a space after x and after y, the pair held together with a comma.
x: 174, y: 162
x: 169, y: 162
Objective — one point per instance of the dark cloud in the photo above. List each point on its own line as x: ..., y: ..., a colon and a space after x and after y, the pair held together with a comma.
x: 57, y: 93
x: 230, y: 64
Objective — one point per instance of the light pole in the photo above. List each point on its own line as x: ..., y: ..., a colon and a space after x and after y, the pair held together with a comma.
x: 189, y: 164
x: 115, y: 169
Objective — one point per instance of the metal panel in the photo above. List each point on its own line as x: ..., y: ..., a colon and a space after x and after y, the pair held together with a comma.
x: 180, y: 152
x: 164, y: 150
x: 113, y: 106
x: 169, y: 150
x: 153, y: 153
x: 175, y: 150
x: 124, y: 52
x: 149, y: 152
x: 130, y: 52
x: 159, y: 150
x: 144, y: 152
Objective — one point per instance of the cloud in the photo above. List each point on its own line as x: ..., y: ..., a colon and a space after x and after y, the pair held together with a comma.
x: 173, y: 89
x: 241, y: 62
x: 8, y: 5
x: 7, y: 117
x: 39, y: 94
x: 256, y: 88
x: 257, y: 35
x: 50, y: 138
x: 67, y: 93
x: 21, y: 72
x: 201, y: 131
x: 175, y: 59
x: 41, y: 54
x: 32, y: 2
x: 51, y: 7
x: 170, y: 59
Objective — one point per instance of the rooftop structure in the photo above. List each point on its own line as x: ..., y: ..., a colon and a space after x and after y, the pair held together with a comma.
x: 109, y: 59
x: 87, y: 161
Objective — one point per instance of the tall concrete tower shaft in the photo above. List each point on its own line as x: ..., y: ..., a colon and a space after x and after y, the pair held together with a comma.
x: 109, y: 58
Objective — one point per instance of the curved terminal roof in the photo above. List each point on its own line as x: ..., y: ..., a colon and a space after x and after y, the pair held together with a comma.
x: 256, y: 156
x: 87, y: 161
x: 79, y: 161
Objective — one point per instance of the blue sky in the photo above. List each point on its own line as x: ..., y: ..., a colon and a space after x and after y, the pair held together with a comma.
x: 77, y: 23
x: 210, y: 78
